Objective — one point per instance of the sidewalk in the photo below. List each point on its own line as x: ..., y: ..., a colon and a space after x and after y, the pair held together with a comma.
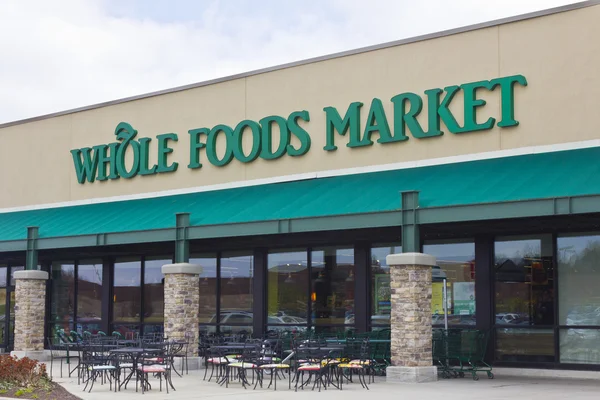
x: 193, y: 387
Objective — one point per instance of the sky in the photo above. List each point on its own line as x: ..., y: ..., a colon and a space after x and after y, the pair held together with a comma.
x: 62, y: 54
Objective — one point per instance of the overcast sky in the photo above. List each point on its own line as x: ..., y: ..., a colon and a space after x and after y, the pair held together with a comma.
x: 61, y: 54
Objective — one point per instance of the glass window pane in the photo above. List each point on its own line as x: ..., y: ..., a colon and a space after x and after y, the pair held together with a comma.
x: 578, y: 280
x: 237, y: 331
x: 207, y: 330
x: 3, y: 271
x: 208, y: 288
x: 288, y: 288
x: 456, y: 264
x: 332, y: 293
x: 154, y: 293
x: 12, y: 274
x: 580, y: 346
x: 524, y: 281
x: 380, y: 283
x: 89, y: 295
x: 127, y: 292
x: 530, y: 345
x: 62, y: 295
x: 2, y: 316
x: 127, y: 330
x: 279, y: 329
x: 153, y: 329
x: 236, y: 287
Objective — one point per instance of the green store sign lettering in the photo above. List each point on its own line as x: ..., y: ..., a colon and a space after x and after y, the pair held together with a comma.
x: 108, y: 161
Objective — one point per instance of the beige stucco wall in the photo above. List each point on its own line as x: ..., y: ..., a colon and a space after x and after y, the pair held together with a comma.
x: 559, y: 105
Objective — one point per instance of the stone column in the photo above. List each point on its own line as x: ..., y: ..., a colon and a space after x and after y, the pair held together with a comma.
x: 30, y: 307
x: 411, y: 346
x: 182, y: 297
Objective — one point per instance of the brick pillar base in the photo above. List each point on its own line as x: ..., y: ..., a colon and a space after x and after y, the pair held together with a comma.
x: 30, y: 307
x: 411, y: 345
x: 182, y: 297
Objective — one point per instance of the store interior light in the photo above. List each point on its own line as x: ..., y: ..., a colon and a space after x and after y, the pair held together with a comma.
x: 289, y: 278
x: 320, y: 277
x: 350, y: 277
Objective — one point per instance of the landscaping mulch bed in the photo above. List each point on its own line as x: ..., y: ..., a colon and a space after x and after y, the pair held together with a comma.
x: 57, y: 393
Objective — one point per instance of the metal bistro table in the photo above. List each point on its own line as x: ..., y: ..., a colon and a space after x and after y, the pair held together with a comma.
x: 135, y: 354
x: 233, y: 347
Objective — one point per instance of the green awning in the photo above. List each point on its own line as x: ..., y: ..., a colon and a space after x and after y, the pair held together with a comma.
x: 535, y: 176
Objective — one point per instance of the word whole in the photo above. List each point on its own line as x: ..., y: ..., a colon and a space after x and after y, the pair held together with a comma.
x: 128, y: 157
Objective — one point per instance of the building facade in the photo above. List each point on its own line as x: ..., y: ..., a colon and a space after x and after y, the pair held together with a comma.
x: 291, y: 185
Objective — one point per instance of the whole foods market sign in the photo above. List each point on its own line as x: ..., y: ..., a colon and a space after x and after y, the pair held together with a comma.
x: 129, y: 155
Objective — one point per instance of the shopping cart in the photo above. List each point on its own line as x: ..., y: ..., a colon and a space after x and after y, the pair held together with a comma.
x: 457, y: 352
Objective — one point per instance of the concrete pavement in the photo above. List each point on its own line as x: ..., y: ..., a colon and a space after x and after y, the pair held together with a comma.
x: 503, y: 387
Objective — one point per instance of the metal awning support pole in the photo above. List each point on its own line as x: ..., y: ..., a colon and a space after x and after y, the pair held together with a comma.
x: 31, y: 256
x: 411, y: 240
x: 445, y: 304
x: 182, y: 245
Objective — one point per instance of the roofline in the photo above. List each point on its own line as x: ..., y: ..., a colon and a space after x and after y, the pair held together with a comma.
x: 429, y: 36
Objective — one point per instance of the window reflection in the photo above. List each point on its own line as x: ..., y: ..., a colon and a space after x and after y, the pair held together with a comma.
x: 63, y: 293
x: 533, y: 345
x: 578, y: 280
x: 579, y: 299
x: 288, y: 288
x: 3, y: 316
x: 524, y: 282
x: 580, y: 346
x: 127, y: 292
x: 154, y: 294
x: 380, y: 283
x: 207, y: 287
x: 456, y: 265
x: 3, y: 271
x: 12, y: 274
x: 332, y: 279
x: 236, y: 287
x: 524, y: 297
x: 89, y: 295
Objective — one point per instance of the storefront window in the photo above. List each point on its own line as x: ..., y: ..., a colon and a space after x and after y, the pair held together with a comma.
x: 332, y: 294
x: 3, y: 280
x: 380, y: 283
x: 533, y: 345
x: 236, y: 291
x: 89, y: 296
x: 579, y: 298
x: 63, y: 294
x: 12, y: 274
x: 207, y: 288
x: 456, y: 267
x: 524, y: 297
x: 578, y: 280
x: 127, y: 292
x: 288, y: 288
x: 3, y: 271
x: 154, y: 292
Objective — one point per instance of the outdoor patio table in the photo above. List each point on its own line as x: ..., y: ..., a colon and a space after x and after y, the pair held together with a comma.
x: 240, y: 346
x: 128, y: 342
x: 135, y: 353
